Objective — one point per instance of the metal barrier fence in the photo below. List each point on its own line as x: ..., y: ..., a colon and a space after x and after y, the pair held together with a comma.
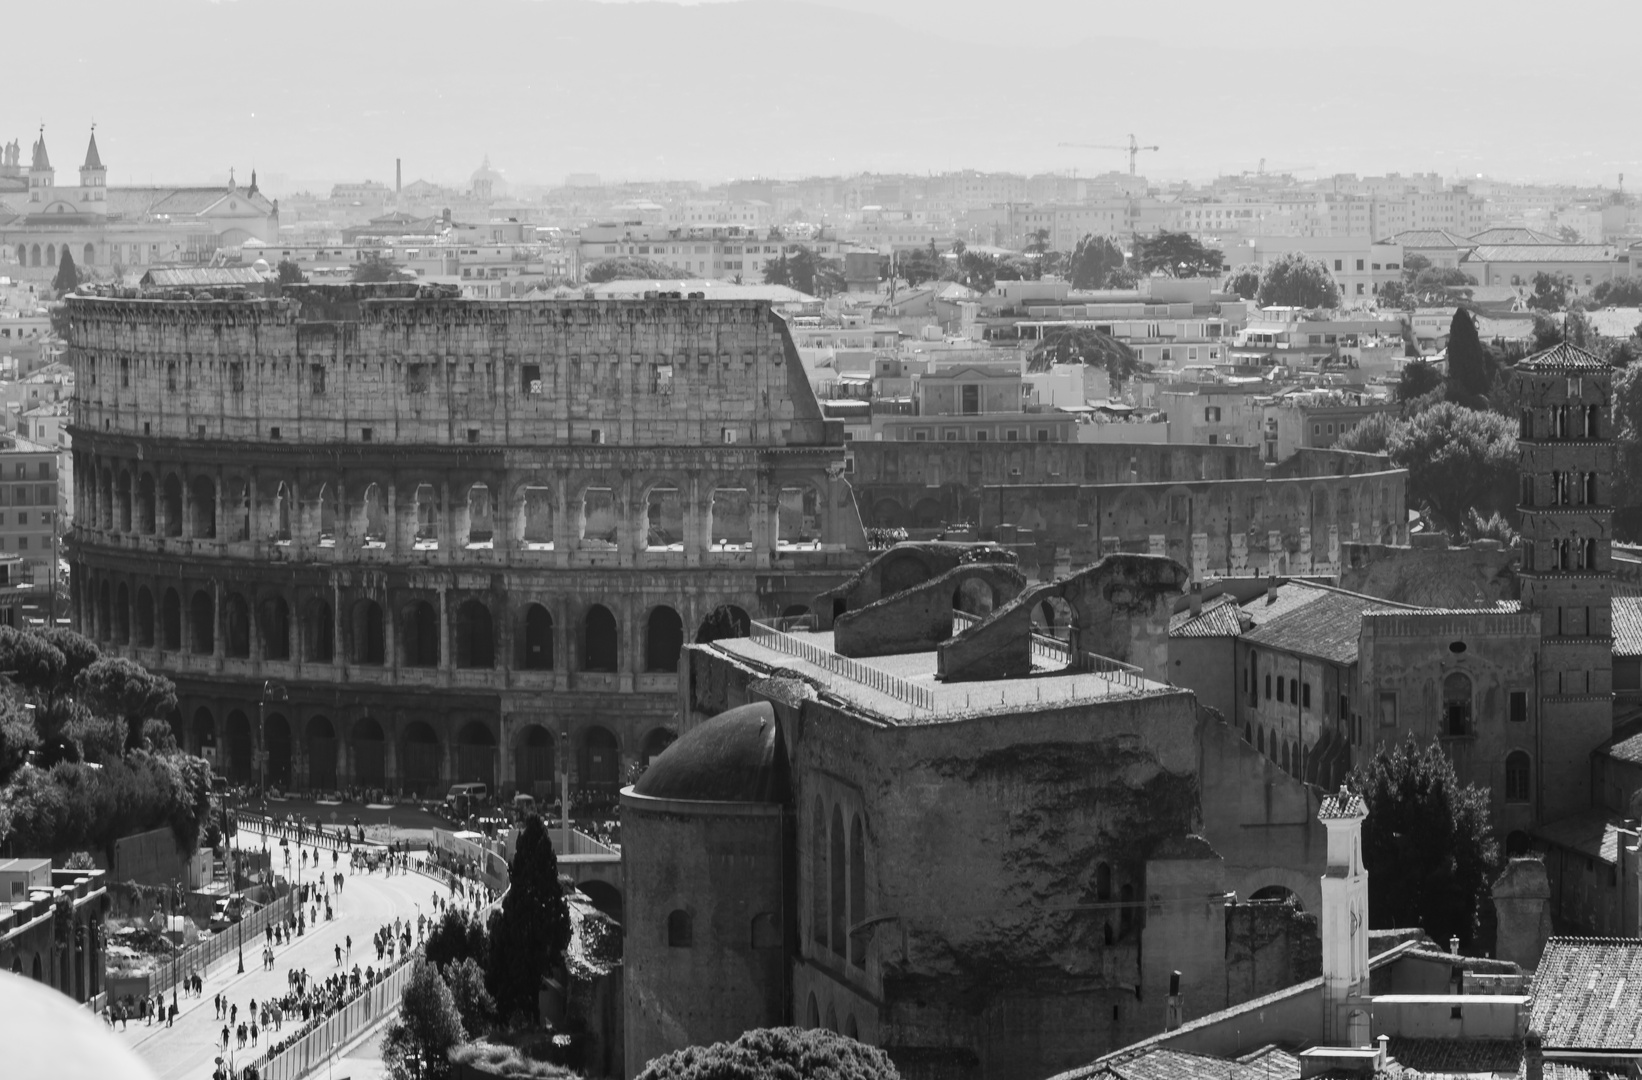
x: 301, y: 834
x: 198, y: 957
x: 311, y: 1049
x: 883, y: 682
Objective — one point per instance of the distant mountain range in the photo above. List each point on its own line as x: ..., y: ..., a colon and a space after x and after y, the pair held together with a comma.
x: 324, y: 90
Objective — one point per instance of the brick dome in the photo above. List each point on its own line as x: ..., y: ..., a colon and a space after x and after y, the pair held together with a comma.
x: 734, y: 757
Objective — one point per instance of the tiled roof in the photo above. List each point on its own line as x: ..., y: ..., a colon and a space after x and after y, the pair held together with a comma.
x: 1220, y: 617
x: 1430, y: 238
x: 1506, y: 234
x: 1312, y: 620
x: 1626, y: 744
x: 1588, y: 995
x: 1543, y: 253
x: 164, y: 276
x: 1441, y: 1059
x: 1342, y: 804
x: 1159, y: 1063
x: 1563, y: 357
x: 1589, y: 832
x: 1627, y: 625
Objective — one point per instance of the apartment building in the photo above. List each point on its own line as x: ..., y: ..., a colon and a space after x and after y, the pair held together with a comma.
x: 29, y: 502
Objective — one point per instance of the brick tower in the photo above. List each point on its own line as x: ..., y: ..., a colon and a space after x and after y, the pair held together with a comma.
x: 1566, y: 464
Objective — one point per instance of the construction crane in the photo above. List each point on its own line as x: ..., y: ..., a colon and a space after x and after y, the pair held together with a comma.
x: 1134, y: 149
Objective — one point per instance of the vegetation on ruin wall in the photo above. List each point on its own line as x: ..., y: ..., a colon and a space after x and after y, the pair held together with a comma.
x: 86, y: 756
x: 775, y: 1054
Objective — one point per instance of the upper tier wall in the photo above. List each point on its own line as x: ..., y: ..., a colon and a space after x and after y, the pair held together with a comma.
x: 343, y: 364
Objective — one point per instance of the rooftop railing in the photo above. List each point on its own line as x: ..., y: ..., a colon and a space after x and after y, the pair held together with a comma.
x: 773, y: 637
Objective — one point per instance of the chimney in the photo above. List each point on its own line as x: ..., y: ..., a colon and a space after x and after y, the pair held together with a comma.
x: 1344, y: 922
x: 397, y: 175
x: 1271, y: 588
x: 1172, y: 1018
x: 1197, y: 598
x: 1533, y: 1057
x: 1454, y: 945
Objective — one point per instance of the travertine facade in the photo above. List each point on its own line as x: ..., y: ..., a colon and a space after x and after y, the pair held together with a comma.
x: 458, y: 533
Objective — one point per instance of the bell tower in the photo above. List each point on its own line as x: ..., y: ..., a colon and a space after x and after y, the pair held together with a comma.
x: 93, y: 180
x: 1344, y: 922
x: 1566, y: 458
x: 41, y: 174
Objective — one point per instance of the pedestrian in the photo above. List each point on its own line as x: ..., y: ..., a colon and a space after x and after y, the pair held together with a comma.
x: 349, y: 940
x: 339, y: 956
x: 225, y: 1036
x: 253, y: 1033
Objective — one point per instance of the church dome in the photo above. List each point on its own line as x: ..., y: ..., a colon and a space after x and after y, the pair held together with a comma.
x: 260, y: 266
x: 734, y: 757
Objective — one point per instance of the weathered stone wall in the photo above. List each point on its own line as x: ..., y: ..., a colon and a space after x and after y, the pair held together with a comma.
x: 1432, y: 574
x: 1269, y: 945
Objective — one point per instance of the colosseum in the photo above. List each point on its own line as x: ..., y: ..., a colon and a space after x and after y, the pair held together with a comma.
x: 393, y: 539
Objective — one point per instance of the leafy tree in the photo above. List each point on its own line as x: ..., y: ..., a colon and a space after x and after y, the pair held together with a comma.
x: 1178, y: 254
x: 466, y: 980
x: 776, y: 1054
x: 1413, y: 264
x: 978, y: 270
x: 1457, y: 459
x: 918, y: 266
x: 1470, y: 366
x: 290, y: 273
x: 1495, y: 527
x: 374, y: 268
x: 32, y: 661
x: 158, y: 738
x: 417, y: 1044
x: 1428, y: 845
x: 629, y: 268
x: 18, y: 737
x: 1394, y: 294
x: 1418, y: 379
x: 1297, y: 280
x: 1547, y: 333
x: 1244, y: 281
x: 1550, y: 294
x: 800, y: 268
x: 1093, y: 262
x: 529, y: 934
x: 1627, y: 443
x: 68, y: 275
x: 454, y: 937
x: 1086, y: 345
x: 1619, y: 292
x: 124, y: 689
x: 79, y: 652
x: 1568, y: 234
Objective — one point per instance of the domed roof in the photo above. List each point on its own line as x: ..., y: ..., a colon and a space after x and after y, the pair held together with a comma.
x: 734, y: 757
x: 260, y: 266
x: 486, y: 171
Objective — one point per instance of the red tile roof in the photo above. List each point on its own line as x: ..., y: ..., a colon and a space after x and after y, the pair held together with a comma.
x: 1588, y: 995
x: 1564, y: 357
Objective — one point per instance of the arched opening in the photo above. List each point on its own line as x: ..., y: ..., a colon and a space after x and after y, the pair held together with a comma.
x: 600, y: 644
x: 797, y: 516
x: 320, y: 739
x: 370, y: 753
x: 654, y: 743
x: 814, y: 1013
x: 680, y: 930
x: 277, y: 730
x: 536, y: 643
x: 858, y: 889
x: 476, y: 755
x: 145, y: 504
x: 901, y: 572
x: 34, y: 260
x: 329, y: 513
x: 663, y: 639
x: 974, y: 597
x: 928, y: 514
x: 818, y: 875
x: 1456, y: 704
x: 600, y: 525
x: 238, y: 730
x: 367, y: 633
x: 122, y: 501
x: 105, y: 613
x: 1518, y: 776
x: 88, y: 256
x: 832, y: 1018
x: 202, y: 623
x: 603, y: 896
x: 202, y: 508
x: 536, y: 518
x: 730, y: 521
x: 601, y: 760
x: 274, y: 615
x: 534, y: 768
x: 850, y: 1031
x: 282, y: 514
x: 427, y: 518
x: 204, y: 735
x: 38, y: 973
x: 1517, y: 842
x: 373, y: 511
x: 145, y: 617
x: 236, y: 627
x: 475, y: 639
x: 171, y: 620
x: 837, y: 865
x: 481, y: 530
x: 419, y: 758
x: 419, y: 629
x: 1277, y: 894
x: 724, y: 621
x: 888, y: 514
x: 105, y: 499
x: 171, y: 505
x: 51, y: 254
x: 664, y: 520
x: 122, y: 615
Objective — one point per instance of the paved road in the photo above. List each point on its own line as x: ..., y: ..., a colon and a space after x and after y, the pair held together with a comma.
x: 187, y: 1050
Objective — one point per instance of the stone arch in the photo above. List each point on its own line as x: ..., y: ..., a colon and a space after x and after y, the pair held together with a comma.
x: 536, y: 639
x: 535, y: 761
x: 328, y: 514
x: 171, y: 505
x: 476, y: 754
x: 533, y: 518
x: 603, y: 896
x: 237, y: 728
x: 319, y: 744
x: 204, y: 732
x: 818, y: 876
x: 419, y: 634
x: 34, y: 260
x: 277, y: 736
x: 798, y: 515
x: 145, y: 617
x: 281, y: 532
x: 51, y: 254
x: 475, y: 636
x: 425, y: 507
x: 928, y: 513
x: 105, y: 611
x: 367, y: 637
x: 600, y: 523
x: 730, y: 515
x: 481, y: 529
x: 832, y: 1017
x: 850, y: 1030
x: 663, y: 517
x: 974, y: 596
x: 373, y: 517
x: 837, y: 892
x: 857, y: 889
x: 370, y: 749
x: 236, y: 627
x: 122, y: 615
x: 1281, y: 894
x: 419, y: 757
x: 202, y: 508
x: 601, y: 759
x: 663, y: 639
x: 680, y: 929
x: 171, y: 620
x: 601, y: 640
x: 274, y: 624
x: 88, y: 256
x: 888, y: 514
x: 122, y: 501
x: 146, y: 504
x: 724, y: 621
x: 654, y: 743
x: 202, y: 623
x: 814, y: 1012
x: 901, y: 570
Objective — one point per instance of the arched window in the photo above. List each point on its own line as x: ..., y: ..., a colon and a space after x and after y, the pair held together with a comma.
x: 172, y: 505
x: 202, y: 508
x: 145, y: 504
x: 680, y: 931
x: 275, y: 617
x: 1593, y: 422
x: 202, y: 623
x: 145, y: 617
x: 536, y: 644
x: 1518, y: 771
x: 601, y: 758
x: 481, y: 531
x: 419, y: 628
x: 122, y: 501
x: 236, y: 627
x: 663, y: 638
x: 814, y: 1012
x: 475, y: 639
x: 1456, y: 704
x: 837, y: 863
x: 368, y: 634
x: 122, y: 615
x: 600, y: 642
x: 1590, y: 553
x: 318, y: 632
x: 858, y: 889
x: 1590, y: 489
x: 818, y: 873
x: 533, y: 762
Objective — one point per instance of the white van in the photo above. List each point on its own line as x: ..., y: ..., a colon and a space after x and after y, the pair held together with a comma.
x: 476, y: 794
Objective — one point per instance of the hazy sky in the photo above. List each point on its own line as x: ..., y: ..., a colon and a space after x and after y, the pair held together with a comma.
x: 314, y: 91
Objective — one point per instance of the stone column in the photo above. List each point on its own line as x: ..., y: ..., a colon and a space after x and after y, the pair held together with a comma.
x: 447, y: 636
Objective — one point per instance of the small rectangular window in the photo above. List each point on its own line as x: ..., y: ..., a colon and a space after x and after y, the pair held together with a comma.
x: 1519, y: 706
x: 236, y: 376
x: 1305, y: 695
x: 530, y: 379
x: 1388, y: 708
x: 273, y: 433
x: 473, y: 434
x: 316, y: 378
x: 1280, y: 690
x: 416, y: 378
x: 365, y: 434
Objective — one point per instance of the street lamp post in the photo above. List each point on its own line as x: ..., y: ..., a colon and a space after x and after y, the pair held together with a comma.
x: 271, y: 691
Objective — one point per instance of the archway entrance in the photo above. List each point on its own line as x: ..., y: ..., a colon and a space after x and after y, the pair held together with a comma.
x: 419, y: 758
x: 476, y: 755
x: 370, y: 753
x: 533, y: 764
x: 278, y: 731
x: 321, y: 754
